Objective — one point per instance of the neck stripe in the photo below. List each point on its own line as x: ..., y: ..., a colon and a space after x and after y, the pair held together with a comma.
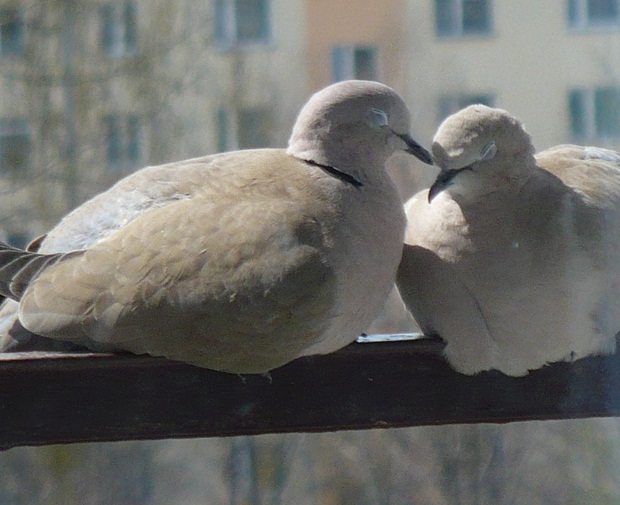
x: 337, y: 173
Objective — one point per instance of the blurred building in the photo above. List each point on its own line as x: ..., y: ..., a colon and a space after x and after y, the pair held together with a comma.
x: 553, y: 64
x: 357, y: 39
x: 93, y: 89
x: 366, y: 39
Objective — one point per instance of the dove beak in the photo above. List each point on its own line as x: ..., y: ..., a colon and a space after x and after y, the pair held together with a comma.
x: 414, y: 148
x: 444, y: 179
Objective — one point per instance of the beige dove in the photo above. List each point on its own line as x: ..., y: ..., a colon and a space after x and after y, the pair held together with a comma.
x: 512, y: 257
x: 239, y: 262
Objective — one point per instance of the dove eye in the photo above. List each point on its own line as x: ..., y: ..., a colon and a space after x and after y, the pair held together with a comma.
x: 488, y: 152
x: 378, y: 118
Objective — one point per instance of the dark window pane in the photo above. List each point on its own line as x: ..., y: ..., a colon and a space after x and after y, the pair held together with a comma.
x: 223, y: 130
x: 449, y: 104
x: 221, y: 32
x: 484, y: 99
x: 444, y: 17
x: 476, y: 16
x: 573, y: 18
x: 107, y: 28
x: 14, y: 146
x: 11, y: 32
x: 15, y: 152
x: 341, y: 59
x: 446, y: 106
x: 17, y: 239
x: 577, y: 113
x: 113, y: 140
x: 365, y: 63
x: 603, y: 11
x: 130, y: 26
x: 252, y: 20
x: 253, y: 126
x: 133, y: 140
x: 123, y: 141
x: 607, y: 112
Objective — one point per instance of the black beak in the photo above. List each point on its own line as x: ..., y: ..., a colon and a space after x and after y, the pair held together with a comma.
x: 416, y: 149
x: 444, y: 179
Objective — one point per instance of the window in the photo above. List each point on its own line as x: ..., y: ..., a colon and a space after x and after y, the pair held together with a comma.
x: 449, y: 104
x: 11, y: 32
x: 225, y: 137
x: 594, y: 113
x: 593, y: 13
x: 246, y: 128
x: 354, y: 62
x: 17, y: 239
x: 14, y: 146
x: 123, y: 142
x: 254, y: 127
x: 119, y: 28
x: 242, y: 22
x: 462, y: 17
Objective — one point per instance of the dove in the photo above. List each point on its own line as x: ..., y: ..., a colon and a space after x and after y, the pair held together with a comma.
x: 513, y: 257
x: 238, y: 262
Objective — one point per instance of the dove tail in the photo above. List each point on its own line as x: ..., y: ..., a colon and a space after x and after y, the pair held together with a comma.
x: 19, y: 268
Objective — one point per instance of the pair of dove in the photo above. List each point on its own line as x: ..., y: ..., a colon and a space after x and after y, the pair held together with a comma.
x: 244, y: 261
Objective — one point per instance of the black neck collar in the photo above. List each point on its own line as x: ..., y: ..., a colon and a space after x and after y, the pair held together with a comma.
x: 336, y: 173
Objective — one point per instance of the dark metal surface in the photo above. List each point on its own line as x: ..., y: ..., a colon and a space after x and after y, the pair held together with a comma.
x: 48, y: 398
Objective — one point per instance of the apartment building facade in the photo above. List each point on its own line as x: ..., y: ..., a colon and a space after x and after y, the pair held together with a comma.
x: 554, y: 64
x: 91, y: 90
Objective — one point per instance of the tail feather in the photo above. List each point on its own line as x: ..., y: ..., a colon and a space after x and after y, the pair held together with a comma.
x: 31, y: 269
x: 19, y: 268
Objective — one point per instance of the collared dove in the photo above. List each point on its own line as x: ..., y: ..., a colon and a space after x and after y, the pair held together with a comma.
x: 238, y: 262
x: 514, y: 258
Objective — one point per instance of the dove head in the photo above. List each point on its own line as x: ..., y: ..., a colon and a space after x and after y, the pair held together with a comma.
x: 478, y: 150
x: 354, y: 126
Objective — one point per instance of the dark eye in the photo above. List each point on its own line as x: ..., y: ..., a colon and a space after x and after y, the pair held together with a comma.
x: 377, y: 118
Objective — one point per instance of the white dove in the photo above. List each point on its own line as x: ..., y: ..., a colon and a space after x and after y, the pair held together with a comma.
x: 239, y: 262
x: 514, y: 258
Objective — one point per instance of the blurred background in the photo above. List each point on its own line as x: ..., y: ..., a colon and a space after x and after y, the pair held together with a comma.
x: 91, y: 90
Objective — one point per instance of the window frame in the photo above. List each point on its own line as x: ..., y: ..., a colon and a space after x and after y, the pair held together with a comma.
x: 589, y: 115
x: 344, y: 64
x: 226, y: 138
x: 457, y: 21
x: 259, y: 134
x: 229, y: 135
x: 226, y: 26
x: 17, y: 19
x: 11, y: 128
x: 127, y: 153
x: 449, y: 103
x: 578, y: 18
x: 119, y: 30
